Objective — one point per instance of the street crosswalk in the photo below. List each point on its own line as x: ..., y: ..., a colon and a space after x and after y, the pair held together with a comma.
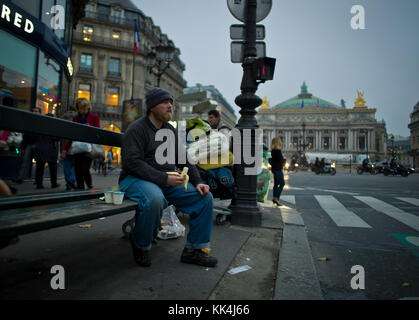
x: 342, y: 215
x: 392, y: 211
x: 339, y: 214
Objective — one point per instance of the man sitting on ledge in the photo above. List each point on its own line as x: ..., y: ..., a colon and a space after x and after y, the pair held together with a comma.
x: 146, y: 181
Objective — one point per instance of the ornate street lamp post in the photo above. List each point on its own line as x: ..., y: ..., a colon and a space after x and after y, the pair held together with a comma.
x: 244, y: 204
x: 159, y: 59
x: 244, y: 207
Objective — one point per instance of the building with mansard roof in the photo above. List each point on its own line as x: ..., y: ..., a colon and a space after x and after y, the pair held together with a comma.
x: 103, y: 56
x: 196, y: 101
x: 103, y: 53
x: 313, y: 124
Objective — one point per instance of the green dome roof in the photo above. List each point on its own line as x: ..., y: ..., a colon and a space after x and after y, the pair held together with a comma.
x: 306, y: 101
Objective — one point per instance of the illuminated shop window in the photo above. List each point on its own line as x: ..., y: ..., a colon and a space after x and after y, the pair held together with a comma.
x: 87, y: 33
x: 48, y: 85
x: 116, y: 35
x: 112, y: 97
x: 342, y: 143
x: 83, y: 91
x: 326, y: 143
x: 310, y: 143
x: 17, y: 71
x: 295, y: 142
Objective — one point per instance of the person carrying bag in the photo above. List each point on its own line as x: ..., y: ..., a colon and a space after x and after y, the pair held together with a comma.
x: 82, y: 159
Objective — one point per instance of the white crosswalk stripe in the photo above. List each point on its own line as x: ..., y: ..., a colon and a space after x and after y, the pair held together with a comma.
x: 413, y: 201
x: 343, y: 217
x: 402, y: 216
x: 339, y: 214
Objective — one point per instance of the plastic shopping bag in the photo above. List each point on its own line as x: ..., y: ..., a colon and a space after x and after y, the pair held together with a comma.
x: 213, y: 146
x: 171, y: 227
x: 79, y: 147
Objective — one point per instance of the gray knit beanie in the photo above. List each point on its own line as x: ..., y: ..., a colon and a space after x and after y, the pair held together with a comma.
x: 155, y: 96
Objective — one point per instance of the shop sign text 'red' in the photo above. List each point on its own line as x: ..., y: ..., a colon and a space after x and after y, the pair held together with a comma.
x: 16, y: 19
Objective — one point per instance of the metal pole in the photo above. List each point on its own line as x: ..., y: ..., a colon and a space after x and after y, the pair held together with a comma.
x: 244, y: 207
x: 133, y: 66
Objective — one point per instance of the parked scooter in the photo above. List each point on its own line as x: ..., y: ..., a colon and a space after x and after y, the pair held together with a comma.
x: 368, y: 168
x: 327, y: 168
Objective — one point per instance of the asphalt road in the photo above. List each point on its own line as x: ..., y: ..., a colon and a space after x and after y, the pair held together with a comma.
x: 367, y: 221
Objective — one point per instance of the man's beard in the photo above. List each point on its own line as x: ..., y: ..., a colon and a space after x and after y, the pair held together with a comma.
x: 165, y: 117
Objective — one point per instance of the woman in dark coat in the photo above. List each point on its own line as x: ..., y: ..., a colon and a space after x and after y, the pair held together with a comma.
x: 277, y: 163
x: 46, y: 151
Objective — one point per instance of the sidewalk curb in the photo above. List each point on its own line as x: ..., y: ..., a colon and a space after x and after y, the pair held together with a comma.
x: 297, y: 276
x: 260, y: 252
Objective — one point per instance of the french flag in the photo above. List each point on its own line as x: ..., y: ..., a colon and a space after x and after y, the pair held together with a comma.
x: 136, y: 39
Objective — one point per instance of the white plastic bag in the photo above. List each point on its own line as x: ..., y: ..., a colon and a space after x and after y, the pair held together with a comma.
x: 79, y: 147
x: 171, y: 227
x: 213, y: 146
x: 15, y: 138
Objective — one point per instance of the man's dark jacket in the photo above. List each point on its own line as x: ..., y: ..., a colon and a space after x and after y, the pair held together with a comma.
x: 138, y: 154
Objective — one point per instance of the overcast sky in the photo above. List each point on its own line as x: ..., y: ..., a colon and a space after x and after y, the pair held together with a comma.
x: 313, y: 41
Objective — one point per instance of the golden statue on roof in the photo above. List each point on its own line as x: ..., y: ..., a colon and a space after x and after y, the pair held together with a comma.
x: 360, y: 101
x: 265, y: 103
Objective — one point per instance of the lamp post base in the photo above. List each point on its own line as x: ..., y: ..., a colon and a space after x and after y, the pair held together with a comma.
x: 246, y: 215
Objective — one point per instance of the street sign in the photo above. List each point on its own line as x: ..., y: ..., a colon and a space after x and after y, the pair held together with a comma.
x: 238, y: 32
x: 237, y: 50
x: 238, y: 9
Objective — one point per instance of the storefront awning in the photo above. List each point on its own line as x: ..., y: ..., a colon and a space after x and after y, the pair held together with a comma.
x: 25, y: 26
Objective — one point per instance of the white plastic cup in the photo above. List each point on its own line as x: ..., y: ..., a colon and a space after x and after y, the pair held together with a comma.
x: 118, y: 196
x: 108, y: 196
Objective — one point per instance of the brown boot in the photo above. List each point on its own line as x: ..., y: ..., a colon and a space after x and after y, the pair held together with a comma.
x: 199, y: 257
x: 141, y: 257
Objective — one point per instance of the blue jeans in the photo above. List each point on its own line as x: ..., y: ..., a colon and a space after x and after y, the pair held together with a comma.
x: 68, y: 170
x: 279, y: 183
x: 152, y: 200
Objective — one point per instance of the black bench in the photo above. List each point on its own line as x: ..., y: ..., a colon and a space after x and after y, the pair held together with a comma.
x: 24, y: 214
x: 29, y: 213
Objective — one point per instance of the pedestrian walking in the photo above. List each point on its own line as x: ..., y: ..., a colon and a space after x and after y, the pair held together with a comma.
x: 109, y: 158
x: 67, y: 161
x: 46, y: 151
x: 101, y: 166
x: 28, y: 148
x: 277, y: 165
x: 146, y: 181
x: 82, y: 162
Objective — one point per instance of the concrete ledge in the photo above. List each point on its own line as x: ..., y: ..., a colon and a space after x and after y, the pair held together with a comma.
x: 297, y: 277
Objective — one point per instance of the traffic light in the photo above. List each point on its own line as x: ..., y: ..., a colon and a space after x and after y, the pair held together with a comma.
x: 264, y: 68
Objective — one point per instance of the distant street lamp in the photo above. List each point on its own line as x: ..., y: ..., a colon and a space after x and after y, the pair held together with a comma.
x: 159, y: 59
x: 392, y: 145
